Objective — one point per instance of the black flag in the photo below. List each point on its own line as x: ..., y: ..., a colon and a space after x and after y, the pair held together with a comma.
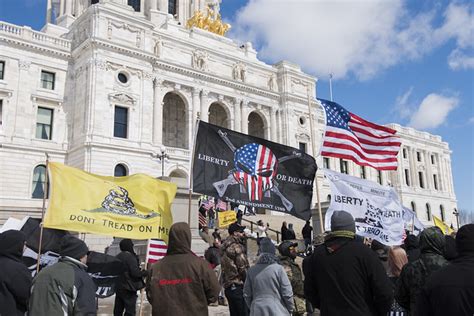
x: 252, y: 171
x: 104, y: 271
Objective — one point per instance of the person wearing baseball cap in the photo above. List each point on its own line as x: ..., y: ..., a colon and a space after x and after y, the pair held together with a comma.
x: 65, y: 287
x: 234, y: 266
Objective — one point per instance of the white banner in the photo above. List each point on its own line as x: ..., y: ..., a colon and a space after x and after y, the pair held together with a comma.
x: 412, y: 223
x: 376, y: 209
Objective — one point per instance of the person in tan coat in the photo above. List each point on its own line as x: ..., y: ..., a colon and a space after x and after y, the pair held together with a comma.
x: 181, y: 283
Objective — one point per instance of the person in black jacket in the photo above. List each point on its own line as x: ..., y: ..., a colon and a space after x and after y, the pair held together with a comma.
x: 345, y: 277
x: 126, y: 294
x: 15, y: 278
x: 307, y: 234
x: 450, y: 290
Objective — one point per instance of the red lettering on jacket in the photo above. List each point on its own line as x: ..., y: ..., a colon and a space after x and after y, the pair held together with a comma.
x: 163, y: 282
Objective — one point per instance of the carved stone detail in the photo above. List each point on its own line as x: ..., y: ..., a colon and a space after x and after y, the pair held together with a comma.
x: 24, y: 64
x: 272, y: 83
x: 239, y: 72
x: 122, y: 98
x: 200, y: 60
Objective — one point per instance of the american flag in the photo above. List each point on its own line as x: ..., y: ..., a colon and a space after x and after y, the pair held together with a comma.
x: 255, y: 165
x: 202, y: 219
x: 221, y: 205
x: 156, y: 250
x: 349, y: 136
x: 207, y: 204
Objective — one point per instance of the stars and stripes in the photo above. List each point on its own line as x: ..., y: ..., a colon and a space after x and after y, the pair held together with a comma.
x: 207, y: 204
x: 349, y: 136
x: 221, y: 205
x: 255, y: 168
x: 156, y: 250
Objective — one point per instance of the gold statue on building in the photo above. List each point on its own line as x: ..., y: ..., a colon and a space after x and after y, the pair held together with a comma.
x: 211, y: 22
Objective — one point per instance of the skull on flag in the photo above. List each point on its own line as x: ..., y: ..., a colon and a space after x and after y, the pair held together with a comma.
x: 255, y: 167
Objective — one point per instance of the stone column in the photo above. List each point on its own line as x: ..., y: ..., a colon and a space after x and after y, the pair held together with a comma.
x: 237, y: 116
x: 163, y: 6
x: 152, y: 4
x: 196, y: 106
x: 68, y: 9
x: 204, y: 106
x: 429, y: 172
x: 273, y: 127
x: 413, y: 172
x: 245, y: 117
x: 157, y: 113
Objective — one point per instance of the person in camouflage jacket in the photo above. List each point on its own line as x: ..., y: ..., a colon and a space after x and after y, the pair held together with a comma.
x: 293, y: 271
x: 415, y: 274
x: 234, y: 268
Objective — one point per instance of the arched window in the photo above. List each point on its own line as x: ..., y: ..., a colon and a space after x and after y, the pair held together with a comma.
x: 328, y: 198
x: 39, y: 179
x: 256, y: 125
x: 175, y: 133
x: 413, y: 207
x: 120, y: 170
x: 441, y: 212
x: 428, y: 212
x: 178, y: 174
x: 218, y: 115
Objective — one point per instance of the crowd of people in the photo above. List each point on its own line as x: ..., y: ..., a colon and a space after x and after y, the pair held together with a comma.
x: 345, y: 275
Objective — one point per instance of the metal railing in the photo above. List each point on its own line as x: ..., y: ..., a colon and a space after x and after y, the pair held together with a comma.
x: 252, y: 224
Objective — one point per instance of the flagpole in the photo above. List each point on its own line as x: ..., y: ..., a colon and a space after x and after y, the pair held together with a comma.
x: 45, y: 195
x: 330, y: 86
x: 191, y: 171
x: 314, y: 154
x: 140, y: 313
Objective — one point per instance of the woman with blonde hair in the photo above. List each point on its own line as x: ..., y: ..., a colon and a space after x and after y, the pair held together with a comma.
x: 397, y: 259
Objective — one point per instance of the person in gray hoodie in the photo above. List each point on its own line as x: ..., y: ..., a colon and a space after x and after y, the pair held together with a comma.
x: 267, y: 289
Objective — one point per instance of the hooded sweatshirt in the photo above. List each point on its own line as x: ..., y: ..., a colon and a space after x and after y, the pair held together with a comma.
x: 412, y: 248
x: 181, y: 283
x: 15, y: 278
x: 415, y: 274
x: 132, y: 273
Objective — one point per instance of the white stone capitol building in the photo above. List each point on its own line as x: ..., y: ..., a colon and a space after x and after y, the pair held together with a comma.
x: 107, y: 85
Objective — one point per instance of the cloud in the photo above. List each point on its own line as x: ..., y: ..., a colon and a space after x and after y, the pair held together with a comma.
x: 471, y: 120
x: 433, y: 111
x: 360, y: 38
x: 402, y: 107
x: 459, y: 60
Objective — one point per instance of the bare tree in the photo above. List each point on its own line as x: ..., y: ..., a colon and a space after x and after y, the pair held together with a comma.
x: 466, y: 217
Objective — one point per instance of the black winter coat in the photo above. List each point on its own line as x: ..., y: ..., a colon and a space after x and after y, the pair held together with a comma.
x: 15, y: 278
x: 345, y: 277
x: 132, y: 272
x: 450, y: 290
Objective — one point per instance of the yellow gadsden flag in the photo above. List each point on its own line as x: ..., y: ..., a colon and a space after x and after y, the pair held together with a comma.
x: 444, y: 227
x: 226, y: 218
x: 136, y: 206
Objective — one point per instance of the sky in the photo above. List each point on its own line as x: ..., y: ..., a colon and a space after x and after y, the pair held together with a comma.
x: 405, y: 62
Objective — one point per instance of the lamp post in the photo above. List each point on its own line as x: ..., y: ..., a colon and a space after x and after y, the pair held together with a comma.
x: 162, y: 157
x: 456, y: 213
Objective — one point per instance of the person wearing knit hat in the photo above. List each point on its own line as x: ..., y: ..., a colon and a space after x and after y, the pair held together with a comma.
x: 450, y: 290
x: 65, y: 287
x: 343, y: 265
x: 267, y: 289
x: 73, y: 247
x: 15, y: 278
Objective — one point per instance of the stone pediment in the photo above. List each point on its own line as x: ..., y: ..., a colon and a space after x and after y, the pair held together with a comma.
x: 122, y: 98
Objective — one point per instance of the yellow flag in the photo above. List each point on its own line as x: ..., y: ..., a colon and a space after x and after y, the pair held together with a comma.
x: 442, y: 225
x: 137, y: 206
x: 226, y: 218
